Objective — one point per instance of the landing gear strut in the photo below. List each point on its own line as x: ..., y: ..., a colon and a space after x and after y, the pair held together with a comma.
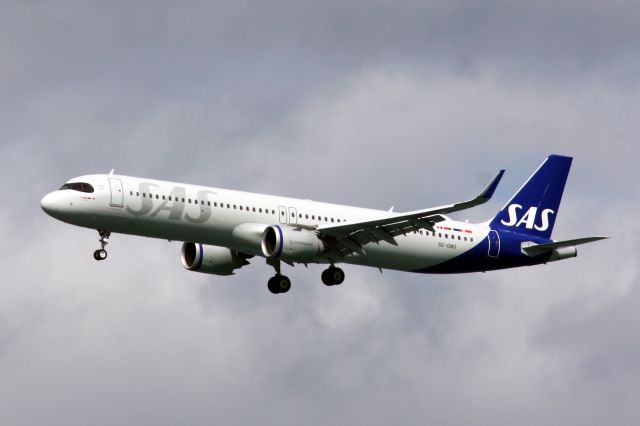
x: 101, y: 253
x: 278, y: 283
x: 332, y: 276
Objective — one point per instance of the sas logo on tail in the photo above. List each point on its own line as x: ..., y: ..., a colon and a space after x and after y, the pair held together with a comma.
x: 529, y: 218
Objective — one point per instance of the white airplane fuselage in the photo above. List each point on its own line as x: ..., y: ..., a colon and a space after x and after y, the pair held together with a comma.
x: 211, y: 215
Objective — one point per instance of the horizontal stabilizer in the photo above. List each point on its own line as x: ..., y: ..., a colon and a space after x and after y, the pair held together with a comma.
x: 532, y: 249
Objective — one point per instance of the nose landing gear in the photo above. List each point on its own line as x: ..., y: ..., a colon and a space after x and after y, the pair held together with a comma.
x: 101, y: 253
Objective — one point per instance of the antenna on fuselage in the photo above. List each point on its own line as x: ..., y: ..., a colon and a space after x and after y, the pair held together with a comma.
x: 112, y: 170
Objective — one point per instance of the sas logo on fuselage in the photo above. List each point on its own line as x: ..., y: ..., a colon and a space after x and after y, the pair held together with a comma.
x: 529, y: 218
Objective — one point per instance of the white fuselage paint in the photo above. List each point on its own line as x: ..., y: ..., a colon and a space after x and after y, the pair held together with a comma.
x: 129, y: 212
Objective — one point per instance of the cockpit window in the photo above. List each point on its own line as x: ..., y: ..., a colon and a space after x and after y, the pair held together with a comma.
x: 78, y: 186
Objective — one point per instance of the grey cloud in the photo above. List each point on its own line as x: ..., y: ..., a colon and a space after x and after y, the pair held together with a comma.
x: 370, y: 103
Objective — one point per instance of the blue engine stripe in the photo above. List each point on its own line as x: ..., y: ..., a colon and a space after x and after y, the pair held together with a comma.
x: 200, y: 256
x: 281, y: 246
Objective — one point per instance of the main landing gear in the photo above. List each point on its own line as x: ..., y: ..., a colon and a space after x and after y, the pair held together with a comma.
x: 278, y: 283
x: 101, y: 253
x: 332, y: 276
x: 282, y: 284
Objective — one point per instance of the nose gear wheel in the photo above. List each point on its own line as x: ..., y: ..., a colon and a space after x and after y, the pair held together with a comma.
x: 101, y: 253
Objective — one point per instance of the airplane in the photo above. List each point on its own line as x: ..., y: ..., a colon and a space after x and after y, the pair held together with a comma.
x: 222, y: 229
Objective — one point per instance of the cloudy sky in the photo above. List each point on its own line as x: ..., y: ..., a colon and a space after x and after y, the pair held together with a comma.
x: 373, y: 103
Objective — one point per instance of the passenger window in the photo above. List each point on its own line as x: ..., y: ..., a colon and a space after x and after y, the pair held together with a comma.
x: 471, y: 239
x: 234, y: 207
x: 253, y: 209
x: 137, y: 194
x: 306, y: 216
x: 240, y: 207
x: 331, y: 219
x: 260, y: 210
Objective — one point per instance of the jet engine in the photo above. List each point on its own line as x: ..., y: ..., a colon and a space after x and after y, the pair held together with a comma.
x: 211, y: 259
x: 291, y: 244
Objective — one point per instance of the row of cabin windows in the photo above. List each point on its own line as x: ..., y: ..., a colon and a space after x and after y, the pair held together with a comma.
x: 201, y: 202
x: 320, y: 218
x: 260, y: 210
x: 440, y: 234
x: 229, y: 206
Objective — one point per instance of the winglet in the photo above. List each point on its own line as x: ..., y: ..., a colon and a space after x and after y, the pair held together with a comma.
x: 491, y: 188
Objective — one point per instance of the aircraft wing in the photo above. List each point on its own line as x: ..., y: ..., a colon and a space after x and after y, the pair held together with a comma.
x: 347, y: 238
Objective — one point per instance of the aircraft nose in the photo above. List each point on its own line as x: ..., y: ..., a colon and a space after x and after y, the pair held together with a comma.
x: 48, y: 203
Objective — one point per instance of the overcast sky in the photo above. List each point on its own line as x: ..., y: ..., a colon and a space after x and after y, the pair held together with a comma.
x: 372, y: 103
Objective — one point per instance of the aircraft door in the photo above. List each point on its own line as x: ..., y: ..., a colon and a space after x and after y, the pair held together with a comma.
x: 282, y: 214
x: 117, y: 195
x: 494, y: 243
x: 293, y: 216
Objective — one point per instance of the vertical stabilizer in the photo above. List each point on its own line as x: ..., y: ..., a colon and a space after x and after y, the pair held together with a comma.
x: 534, y: 208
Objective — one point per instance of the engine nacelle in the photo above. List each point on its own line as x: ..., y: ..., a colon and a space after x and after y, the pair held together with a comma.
x: 563, y: 253
x: 287, y: 243
x: 211, y: 259
x: 247, y: 237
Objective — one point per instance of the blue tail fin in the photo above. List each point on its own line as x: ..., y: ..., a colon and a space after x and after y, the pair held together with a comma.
x: 533, y: 209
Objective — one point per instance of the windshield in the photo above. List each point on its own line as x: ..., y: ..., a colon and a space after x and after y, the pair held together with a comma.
x: 78, y: 186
